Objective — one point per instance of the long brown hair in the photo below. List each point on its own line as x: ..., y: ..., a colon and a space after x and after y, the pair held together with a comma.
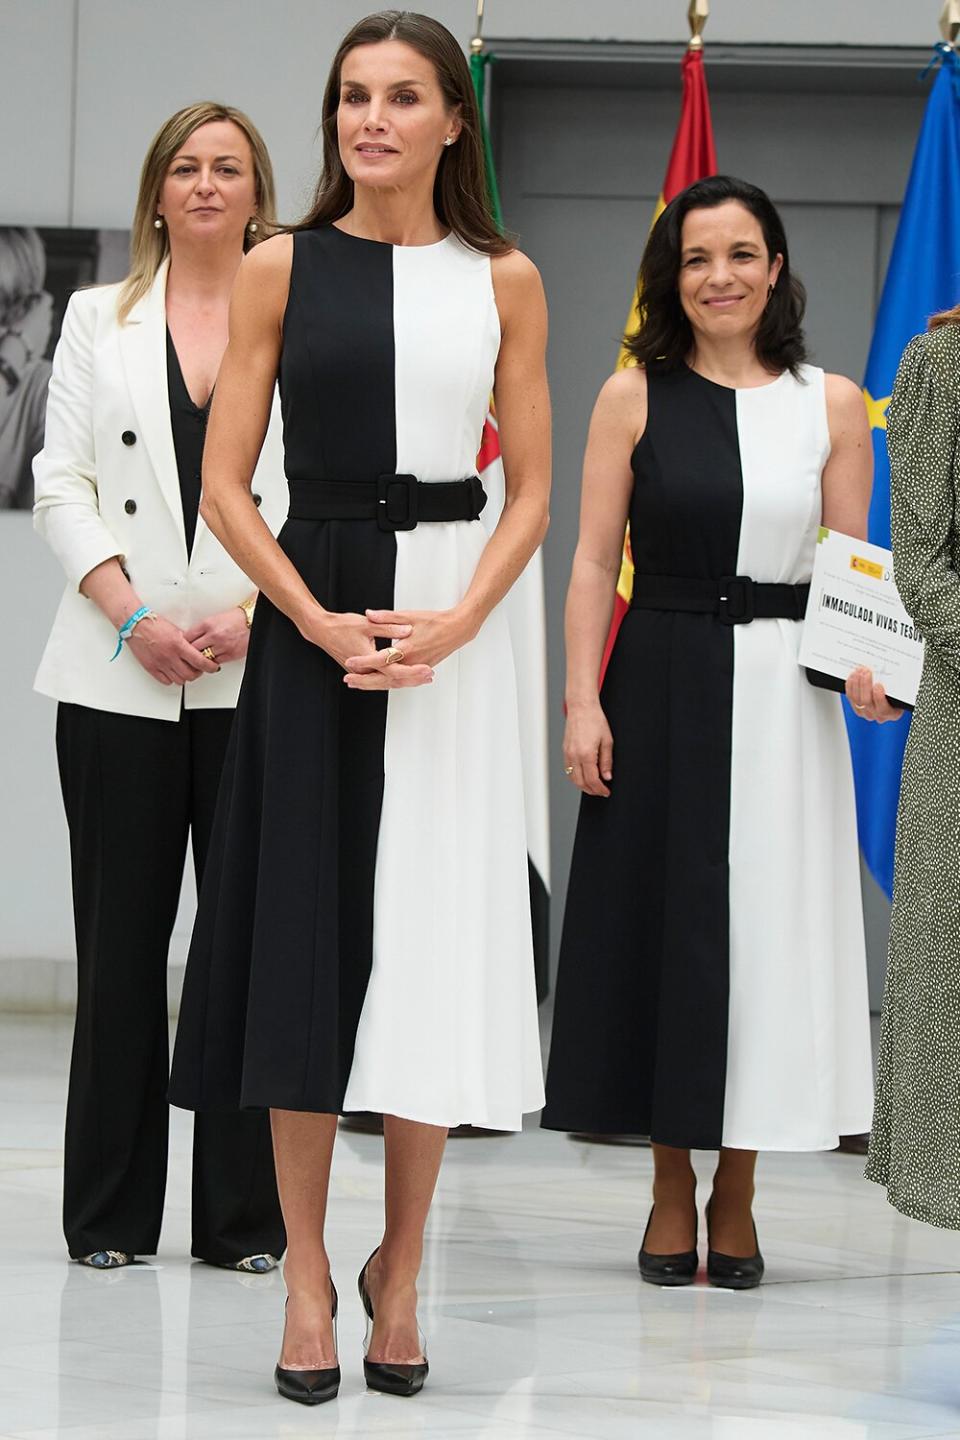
x: 945, y: 317
x: 460, y: 196
x: 149, y: 247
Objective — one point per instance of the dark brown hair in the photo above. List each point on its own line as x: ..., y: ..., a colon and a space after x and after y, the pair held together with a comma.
x: 664, y: 336
x: 460, y: 196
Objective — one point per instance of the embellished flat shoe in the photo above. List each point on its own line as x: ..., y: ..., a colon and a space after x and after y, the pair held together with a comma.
x: 679, y: 1269
x: 384, y: 1375
x: 106, y: 1259
x: 734, y: 1272
x: 311, y: 1387
x: 254, y: 1264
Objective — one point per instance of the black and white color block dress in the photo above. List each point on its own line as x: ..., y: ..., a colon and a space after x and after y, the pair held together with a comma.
x: 363, y: 934
x: 712, y: 987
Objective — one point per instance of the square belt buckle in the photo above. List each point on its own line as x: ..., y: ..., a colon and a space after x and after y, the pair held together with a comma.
x: 737, y: 601
x: 397, y: 502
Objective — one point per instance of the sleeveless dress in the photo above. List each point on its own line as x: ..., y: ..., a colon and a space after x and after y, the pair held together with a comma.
x: 712, y: 986
x: 363, y: 936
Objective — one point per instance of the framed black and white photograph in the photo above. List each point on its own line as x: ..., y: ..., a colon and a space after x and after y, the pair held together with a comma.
x: 39, y: 270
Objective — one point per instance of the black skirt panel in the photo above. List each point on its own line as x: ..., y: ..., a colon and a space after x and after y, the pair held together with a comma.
x: 640, y: 1028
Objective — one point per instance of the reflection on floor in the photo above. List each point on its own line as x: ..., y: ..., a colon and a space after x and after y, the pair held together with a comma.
x: 537, y: 1322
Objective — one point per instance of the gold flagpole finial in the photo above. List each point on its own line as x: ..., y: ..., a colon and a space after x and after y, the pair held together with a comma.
x: 698, y: 14
x: 476, y: 44
x: 950, y: 21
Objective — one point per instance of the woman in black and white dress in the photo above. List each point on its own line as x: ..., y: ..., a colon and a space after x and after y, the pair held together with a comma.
x: 363, y: 939
x: 712, y: 987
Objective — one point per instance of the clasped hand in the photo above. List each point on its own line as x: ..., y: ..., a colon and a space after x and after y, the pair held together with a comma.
x: 175, y: 657
x: 425, y: 637
x: 350, y: 639
x: 431, y: 635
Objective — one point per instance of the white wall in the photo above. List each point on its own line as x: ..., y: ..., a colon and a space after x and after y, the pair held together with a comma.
x: 86, y: 83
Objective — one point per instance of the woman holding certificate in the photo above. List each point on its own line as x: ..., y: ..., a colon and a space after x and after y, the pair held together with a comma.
x: 712, y: 989
x: 915, y: 1145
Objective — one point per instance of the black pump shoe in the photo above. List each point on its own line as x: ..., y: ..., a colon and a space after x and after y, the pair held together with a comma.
x: 678, y: 1269
x: 734, y: 1272
x: 311, y: 1387
x: 384, y: 1375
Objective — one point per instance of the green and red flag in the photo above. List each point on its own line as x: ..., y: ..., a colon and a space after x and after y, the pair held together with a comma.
x: 692, y: 158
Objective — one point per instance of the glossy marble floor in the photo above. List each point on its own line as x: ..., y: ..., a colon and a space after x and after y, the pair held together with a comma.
x: 537, y: 1322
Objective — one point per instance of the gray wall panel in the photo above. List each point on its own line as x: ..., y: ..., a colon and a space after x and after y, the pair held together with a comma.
x: 36, y: 111
x: 833, y: 250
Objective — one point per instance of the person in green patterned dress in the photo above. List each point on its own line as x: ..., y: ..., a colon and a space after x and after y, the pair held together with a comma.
x: 915, y: 1143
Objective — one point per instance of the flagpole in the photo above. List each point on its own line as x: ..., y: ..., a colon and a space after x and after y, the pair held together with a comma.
x: 476, y: 44
x: 698, y: 15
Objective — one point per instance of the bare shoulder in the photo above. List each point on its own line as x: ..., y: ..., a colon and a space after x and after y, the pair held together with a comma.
x: 625, y: 386
x: 263, y: 281
x: 515, y: 268
x: 516, y: 283
x: 622, y: 403
x: 844, y: 397
x: 269, y: 262
x: 624, y: 394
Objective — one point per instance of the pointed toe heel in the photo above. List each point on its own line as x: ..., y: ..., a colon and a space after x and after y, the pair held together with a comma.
x: 311, y: 1387
x: 395, y: 1379
x: 383, y: 1375
x: 734, y: 1272
x: 308, y: 1387
x: 667, y: 1270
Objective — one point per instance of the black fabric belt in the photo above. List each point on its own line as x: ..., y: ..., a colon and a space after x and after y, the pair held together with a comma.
x: 734, y: 599
x: 395, y: 502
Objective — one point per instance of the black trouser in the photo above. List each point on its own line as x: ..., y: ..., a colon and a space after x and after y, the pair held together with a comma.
x: 133, y: 790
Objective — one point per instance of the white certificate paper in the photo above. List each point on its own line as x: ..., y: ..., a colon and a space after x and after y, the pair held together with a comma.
x: 855, y: 617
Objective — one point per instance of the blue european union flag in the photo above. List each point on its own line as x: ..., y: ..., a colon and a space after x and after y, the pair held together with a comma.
x: 923, y: 277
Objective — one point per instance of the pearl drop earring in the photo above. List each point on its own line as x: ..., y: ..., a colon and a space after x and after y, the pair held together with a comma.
x: 158, y: 223
x: 253, y: 227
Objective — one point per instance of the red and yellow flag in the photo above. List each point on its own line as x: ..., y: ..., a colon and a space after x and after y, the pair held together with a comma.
x: 692, y: 158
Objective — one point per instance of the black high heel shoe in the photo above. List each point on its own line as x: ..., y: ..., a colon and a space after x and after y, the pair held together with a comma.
x: 680, y: 1269
x: 311, y: 1387
x: 384, y: 1375
x: 734, y: 1272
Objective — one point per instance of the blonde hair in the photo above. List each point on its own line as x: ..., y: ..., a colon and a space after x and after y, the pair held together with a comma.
x: 945, y: 317
x: 23, y: 267
x: 149, y: 246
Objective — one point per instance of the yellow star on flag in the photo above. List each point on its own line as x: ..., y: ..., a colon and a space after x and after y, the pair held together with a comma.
x: 876, y: 411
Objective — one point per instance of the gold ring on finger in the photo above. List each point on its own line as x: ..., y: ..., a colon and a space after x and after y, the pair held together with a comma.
x: 392, y: 654
x: 210, y: 653
x: 568, y: 769
x: 856, y: 706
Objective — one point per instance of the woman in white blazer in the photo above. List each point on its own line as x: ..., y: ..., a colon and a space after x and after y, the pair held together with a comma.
x: 146, y: 658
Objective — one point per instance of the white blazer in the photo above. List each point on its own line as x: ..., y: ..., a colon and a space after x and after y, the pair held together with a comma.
x: 107, y: 484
